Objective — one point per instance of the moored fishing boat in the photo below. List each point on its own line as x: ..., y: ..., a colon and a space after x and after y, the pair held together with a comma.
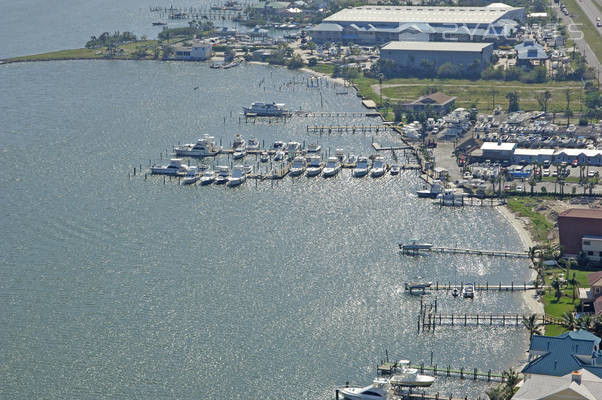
x: 174, y: 167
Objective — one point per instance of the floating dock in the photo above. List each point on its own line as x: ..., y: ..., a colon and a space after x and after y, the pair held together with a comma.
x: 410, y: 286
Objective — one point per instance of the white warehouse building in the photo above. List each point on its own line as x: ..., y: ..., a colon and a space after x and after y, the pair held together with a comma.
x: 198, y: 50
x: 509, y: 152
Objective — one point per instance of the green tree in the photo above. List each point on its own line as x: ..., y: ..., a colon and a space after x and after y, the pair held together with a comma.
x: 543, y: 99
x: 532, y: 325
x: 513, y: 101
x: 569, y: 321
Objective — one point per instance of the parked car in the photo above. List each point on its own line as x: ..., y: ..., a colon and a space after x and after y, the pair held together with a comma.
x: 519, y: 188
x: 546, y: 172
x: 575, y: 163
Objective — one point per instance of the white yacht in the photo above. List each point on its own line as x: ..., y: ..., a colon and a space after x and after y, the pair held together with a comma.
x: 314, y: 148
x: 239, y: 142
x: 298, y: 166
x: 332, y: 167
x: 266, y: 109
x: 361, y: 168
x: 174, y: 167
x: 403, y: 375
x: 278, y: 145
x: 352, y: 159
x: 378, y: 167
x: 433, y: 192
x: 293, y: 146
x: 253, y: 144
x: 315, y: 166
x: 192, y: 176
x: 223, y: 172
x: 372, y: 392
x: 264, y: 156
x: 468, y: 291
x: 238, y: 176
x: 340, y: 155
x: 279, y: 156
x: 208, y: 177
x: 204, y: 147
x: 395, y: 169
x: 239, y: 153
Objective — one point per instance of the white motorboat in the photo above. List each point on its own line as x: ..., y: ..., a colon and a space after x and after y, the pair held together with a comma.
x: 340, y: 155
x: 253, y: 144
x: 248, y: 169
x: 238, y: 176
x: 434, y: 191
x: 372, y: 392
x: 292, y: 147
x: 361, y: 168
x: 239, y: 142
x: 468, y: 291
x: 266, y: 109
x: 415, y: 245
x: 208, y: 177
x: 223, y: 172
x: 279, y: 156
x: 403, y: 375
x: 378, y: 167
x: 315, y: 166
x: 278, y: 145
x: 204, y: 147
x: 298, y: 167
x: 313, y: 148
x: 264, y: 156
x: 174, y: 167
x: 192, y: 176
x: 395, y: 169
x: 239, y: 153
x: 352, y: 159
x: 333, y: 166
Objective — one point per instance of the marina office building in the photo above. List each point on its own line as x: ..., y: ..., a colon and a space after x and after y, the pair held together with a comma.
x: 376, y: 25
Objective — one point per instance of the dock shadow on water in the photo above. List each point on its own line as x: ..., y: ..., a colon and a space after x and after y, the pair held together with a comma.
x: 129, y: 288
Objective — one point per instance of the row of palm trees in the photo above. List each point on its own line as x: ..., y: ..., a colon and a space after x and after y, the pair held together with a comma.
x: 591, y: 323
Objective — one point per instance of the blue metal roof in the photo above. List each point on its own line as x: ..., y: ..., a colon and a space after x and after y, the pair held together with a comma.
x: 559, y: 355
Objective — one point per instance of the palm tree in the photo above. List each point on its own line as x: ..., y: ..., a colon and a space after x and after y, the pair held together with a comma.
x: 512, y: 379
x: 532, y: 325
x: 569, y: 321
x: 532, y: 183
x: 586, y: 322
x: 499, y: 392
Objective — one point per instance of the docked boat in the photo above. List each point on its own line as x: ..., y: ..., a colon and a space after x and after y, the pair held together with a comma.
x: 192, y: 176
x: 278, y: 145
x: 361, y: 167
x: 239, y: 153
x: 332, y: 167
x: 253, y: 144
x: 298, y: 167
x: 405, y: 376
x: 313, y: 148
x: 432, y: 193
x: 264, y: 156
x: 279, y: 155
x: 239, y: 142
x: 204, y: 147
x: 340, y: 155
x: 395, y: 169
x: 238, y: 176
x: 415, y: 245
x: 223, y: 172
x: 174, y: 167
x: 450, y: 197
x: 378, y: 167
x: 292, y: 147
x: 315, y: 166
x: 351, y: 160
x: 455, y: 292
x: 372, y: 392
x: 266, y: 110
x: 208, y: 177
x: 468, y: 291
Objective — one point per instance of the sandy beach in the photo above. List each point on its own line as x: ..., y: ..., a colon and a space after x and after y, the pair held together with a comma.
x: 520, y: 226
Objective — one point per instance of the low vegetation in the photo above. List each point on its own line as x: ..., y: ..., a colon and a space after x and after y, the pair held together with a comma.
x: 539, y: 225
x: 590, y: 32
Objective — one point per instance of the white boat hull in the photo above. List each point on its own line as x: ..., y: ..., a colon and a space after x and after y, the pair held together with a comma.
x: 296, y: 171
x: 328, y: 172
x: 313, y: 172
x: 377, y: 172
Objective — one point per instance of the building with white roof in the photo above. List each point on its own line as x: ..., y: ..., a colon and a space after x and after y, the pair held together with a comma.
x: 533, y: 156
x: 498, y: 150
x: 196, y: 50
x: 509, y: 152
x: 381, y: 24
x: 577, y: 385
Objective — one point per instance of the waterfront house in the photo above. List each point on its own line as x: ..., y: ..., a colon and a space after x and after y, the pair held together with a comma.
x: 196, y: 50
x: 592, y: 296
x: 580, y: 229
x: 560, y: 355
x: 576, y: 385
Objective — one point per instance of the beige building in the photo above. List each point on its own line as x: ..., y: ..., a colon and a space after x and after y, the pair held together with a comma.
x: 592, y: 247
x: 577, y: 385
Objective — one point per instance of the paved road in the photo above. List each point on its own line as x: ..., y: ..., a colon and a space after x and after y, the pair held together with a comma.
x: 577, y: 37
x: 591, y: 10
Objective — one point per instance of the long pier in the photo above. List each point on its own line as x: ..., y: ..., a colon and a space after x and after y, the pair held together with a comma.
x: 347, y: 128
x: 477, y: 286
x: 460, y: 250
x: 387, y: 368
x: 432, y: 319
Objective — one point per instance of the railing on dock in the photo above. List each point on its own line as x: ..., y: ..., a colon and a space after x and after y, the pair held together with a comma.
x: 460, y: 250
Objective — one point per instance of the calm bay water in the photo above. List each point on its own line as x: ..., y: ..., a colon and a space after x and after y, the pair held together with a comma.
x: 130, y: 288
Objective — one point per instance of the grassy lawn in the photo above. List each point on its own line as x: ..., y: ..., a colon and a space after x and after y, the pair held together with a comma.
x: 480, y: 92
x: 327, y: 69
x: 539, y: 225
x: 572, y: 179
x: 590, y: 32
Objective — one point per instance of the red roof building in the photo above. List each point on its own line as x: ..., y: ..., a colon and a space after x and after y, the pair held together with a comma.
x: 574, y: 224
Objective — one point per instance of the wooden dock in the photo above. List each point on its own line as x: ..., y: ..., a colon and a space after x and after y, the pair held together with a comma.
x: 477, y: 286
x: 459, y: 250
x: 334, y: 114
x: 463, y: 373
x: 378, y: 147
x: 347, y: 129
x: 428, y: 321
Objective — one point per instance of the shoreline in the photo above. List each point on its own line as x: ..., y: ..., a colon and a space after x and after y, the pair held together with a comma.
x: 519, y: 226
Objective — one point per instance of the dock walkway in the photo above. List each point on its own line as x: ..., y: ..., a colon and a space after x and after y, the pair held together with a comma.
x: 460, y: 250
x: 434, y: 370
